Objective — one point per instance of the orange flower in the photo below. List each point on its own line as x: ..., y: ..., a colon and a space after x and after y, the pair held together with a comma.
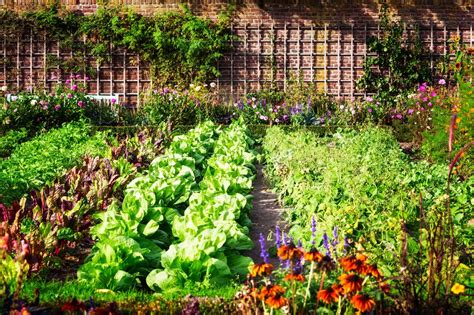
x: 261, y: 270
x: 384, y: 287
x: 354, y: 263
x: 338, y: 288
x: 328, y: 295
x: 313, y: 255
x: 351, y: 282
x: 373, y: 270
x: 363, y: 302
x: 271, y: 290
x: 326, y: 263
x: 295, y: 276
x: 276, y: 301
x: 254, y: 293
x: 287, y: 252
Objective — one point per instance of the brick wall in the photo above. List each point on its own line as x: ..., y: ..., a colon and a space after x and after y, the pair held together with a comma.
x: 319, y: 41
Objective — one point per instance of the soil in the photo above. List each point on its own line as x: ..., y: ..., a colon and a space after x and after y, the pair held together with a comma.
x: 265, y: 215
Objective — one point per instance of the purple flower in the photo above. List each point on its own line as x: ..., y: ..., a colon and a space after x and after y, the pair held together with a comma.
x: 57, y: 107
x: 442, y: 82
x: 78, y: 76
x: 335, y: 240
x: 263, y: 117
x: 166, y: 90
x: 346, y: 245
x: 422, y: 88
x: 113, y: 101
x: 300, y: 244
x: 369, y: 109
x: 277, y: 236
x: 326, y: 244
x: 410, y: 111
x: 263, y: 249
x: 313, y: 231
x: 369, y: 99
x: 80, y: 104
x: 398, y: 116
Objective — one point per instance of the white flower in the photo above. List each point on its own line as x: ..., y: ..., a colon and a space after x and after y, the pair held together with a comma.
x: 341, y: 107
x: 212, y: 85
x: 191, y: 85
x: 4, y: 88
x: 197, y: 88
x: 253, y: 99
x: 14, y: 98
x: 170, y: 98
x: 33, y: 102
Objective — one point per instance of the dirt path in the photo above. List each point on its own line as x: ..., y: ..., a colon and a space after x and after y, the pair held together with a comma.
x: 265, y: 215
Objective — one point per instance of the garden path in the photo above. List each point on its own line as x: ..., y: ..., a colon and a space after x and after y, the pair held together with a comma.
x: 265, y: 215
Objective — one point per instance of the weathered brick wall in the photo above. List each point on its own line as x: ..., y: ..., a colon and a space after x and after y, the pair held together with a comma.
x: 320, y: 41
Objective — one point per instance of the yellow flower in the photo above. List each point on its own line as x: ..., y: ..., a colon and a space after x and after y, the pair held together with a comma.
x: 457, y: 288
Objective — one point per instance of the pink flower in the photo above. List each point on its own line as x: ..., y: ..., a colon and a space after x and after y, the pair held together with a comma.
x: 74, y: 87
x: 262, y: 117
x: 80, y: 104
x: 422, y: 88
x: 410, y: 111
x: 57, y: 107
x: 113, y: 101
x: 68, y: 81
x: 369, y: 99
x: 369, y: 109
x: 69, y: 95
x: 78, y: 76
x: 433, y: 94
x: 425, y: 99
x: 442, y: 82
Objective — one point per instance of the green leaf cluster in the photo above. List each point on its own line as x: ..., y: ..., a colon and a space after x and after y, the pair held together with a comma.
x: 39, y: 161
x: 214, y: 227
x: 131, y: 235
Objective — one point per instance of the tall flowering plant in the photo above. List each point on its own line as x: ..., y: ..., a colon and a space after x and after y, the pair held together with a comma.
x: 309, y: 279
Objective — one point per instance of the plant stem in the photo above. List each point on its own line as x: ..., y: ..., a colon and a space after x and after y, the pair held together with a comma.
x: 309, y: 284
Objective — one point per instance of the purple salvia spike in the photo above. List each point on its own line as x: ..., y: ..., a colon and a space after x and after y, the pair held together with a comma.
x: 300, y: 245
x: 313, y: 231
x: 277, y: 237
x: 263, y: 249
x: 326, y: 244
x: 346, y: 245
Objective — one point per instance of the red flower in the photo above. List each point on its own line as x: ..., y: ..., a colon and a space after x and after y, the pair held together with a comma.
x: 290, y: 252
x: 328, y: 295
x: 363, y: 302
x: 351, y: 282
x: 294, y: 276
x: 313, y: 255
x: 261, y: 270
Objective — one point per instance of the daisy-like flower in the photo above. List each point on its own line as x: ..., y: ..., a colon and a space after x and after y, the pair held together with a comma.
x: 373, y: 271
x: 384, y: 287
x: 290, y: 252
x: 363, y: 302
x: 351, y: 282
x: 458, y: 66
x: 354, y: 263
x: 276, y: 301
x: 313, y: 255
x: 294, y: 276
x: 259, y: 270
x: 328, y: 295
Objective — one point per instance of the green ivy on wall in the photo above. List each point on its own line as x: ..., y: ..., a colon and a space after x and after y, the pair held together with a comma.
x: 179, y: 46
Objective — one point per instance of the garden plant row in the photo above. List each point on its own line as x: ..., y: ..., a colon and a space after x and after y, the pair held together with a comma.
x: 181, y: 222
x: 362, y: 184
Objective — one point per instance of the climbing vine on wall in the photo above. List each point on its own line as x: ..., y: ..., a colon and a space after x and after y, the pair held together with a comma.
x: 179, y: 46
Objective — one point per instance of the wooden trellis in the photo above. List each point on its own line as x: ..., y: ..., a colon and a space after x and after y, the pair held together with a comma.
x: 266, y: 54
